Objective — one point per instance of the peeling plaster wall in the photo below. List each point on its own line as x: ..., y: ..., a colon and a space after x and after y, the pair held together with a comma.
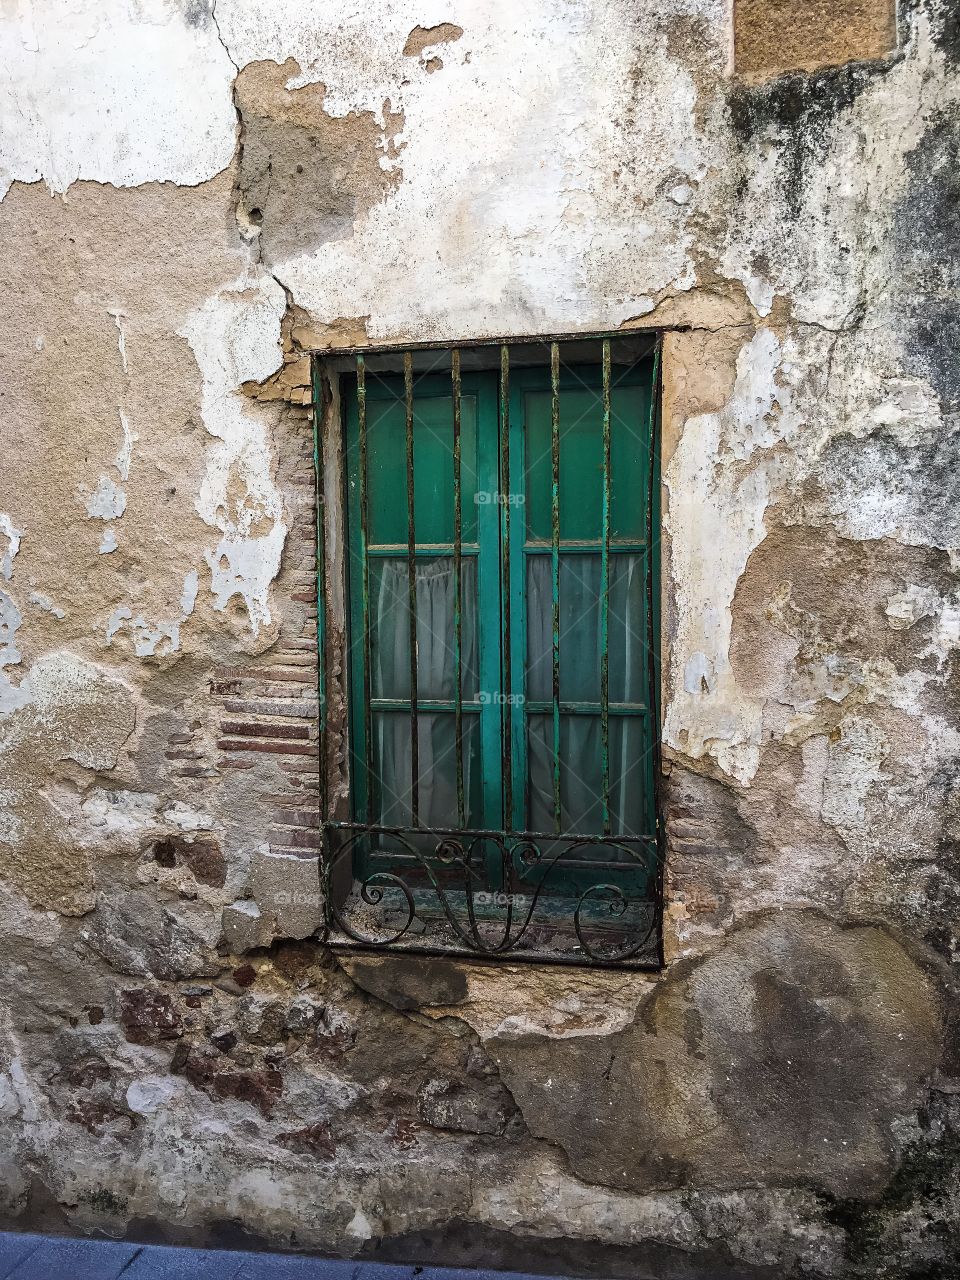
x: 194, y: 197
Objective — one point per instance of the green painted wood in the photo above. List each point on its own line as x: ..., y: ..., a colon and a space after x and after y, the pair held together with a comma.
x: 514, y: 474
x: 434, y: 520
x: 581, y: 535
x: 555, y: 576
x: 605, y: 598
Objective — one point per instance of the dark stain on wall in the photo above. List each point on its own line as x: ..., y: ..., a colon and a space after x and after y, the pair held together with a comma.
x: 782, y: 1060
x: 927, y: 234
x: 796, y: 113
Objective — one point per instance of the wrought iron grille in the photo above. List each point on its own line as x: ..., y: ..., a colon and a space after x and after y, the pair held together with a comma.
x: 501, y: 519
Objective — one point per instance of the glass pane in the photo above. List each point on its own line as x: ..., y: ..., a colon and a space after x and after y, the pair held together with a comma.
x: 631, y: 807
x: 581, y: 631
x: 437, y: 768
x: 433, y: 469
x: 539, y: 628
x: 581, y: 463
x: 386, y: 467
x: 581, y: 774
x: 629, y: 650
x: 390, y: 628
x: 629, y: 461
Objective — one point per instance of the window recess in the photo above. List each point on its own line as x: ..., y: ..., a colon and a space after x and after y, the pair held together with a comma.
x: 500, y: 532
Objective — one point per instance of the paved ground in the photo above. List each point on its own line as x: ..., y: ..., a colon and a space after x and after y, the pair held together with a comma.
x: 25, y: 1257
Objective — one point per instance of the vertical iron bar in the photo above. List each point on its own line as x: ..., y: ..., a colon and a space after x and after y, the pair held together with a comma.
x: 412, y: 593
x: 555, y: 554
x: 506, y: 706
x: 321, y: 575
x: 457, y: 583
x: 365, y: 582
x: 605, y: 602
x: 653, y: 661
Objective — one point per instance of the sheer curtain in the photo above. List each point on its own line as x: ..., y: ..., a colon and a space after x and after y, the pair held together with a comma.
x: 436, y: 681
x: 580, y: 652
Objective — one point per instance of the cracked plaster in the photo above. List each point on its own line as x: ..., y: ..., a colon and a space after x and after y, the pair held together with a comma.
x: 478, y: 171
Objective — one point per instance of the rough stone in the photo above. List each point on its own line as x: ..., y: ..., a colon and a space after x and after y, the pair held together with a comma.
x: 771, y: 36
x: 409, y: 982
x: 234, y: 187
x: 788, y: 1054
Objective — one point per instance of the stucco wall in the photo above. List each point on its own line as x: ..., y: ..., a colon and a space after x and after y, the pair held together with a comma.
x: 193, y: 199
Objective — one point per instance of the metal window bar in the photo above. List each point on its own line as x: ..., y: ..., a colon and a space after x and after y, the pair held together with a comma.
x: 605, y: 599
x: 457, y: 583
x: 518, y: 851
x: 319, y: 405
x: 555, y: 574
x: 412, y: 591
x: 366, y: 656
x: 505, y: 505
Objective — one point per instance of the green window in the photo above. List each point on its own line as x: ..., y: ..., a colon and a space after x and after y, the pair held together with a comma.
x: 502, y: 667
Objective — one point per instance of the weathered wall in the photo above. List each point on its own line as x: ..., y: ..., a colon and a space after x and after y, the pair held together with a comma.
x: 192, y: 199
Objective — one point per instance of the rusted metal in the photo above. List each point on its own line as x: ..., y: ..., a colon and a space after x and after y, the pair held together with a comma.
x: 555, y: 561
x: 365, y: 581
x: 320, y: 402
x: 412, y: 592
x: 605, y: 600
x: 568, y: 898
x: 457, y: 584
x: 609, y: 922
x: 505, y: 645
x: 653, y: 630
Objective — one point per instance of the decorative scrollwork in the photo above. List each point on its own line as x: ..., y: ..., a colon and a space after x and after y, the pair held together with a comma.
x: 492, y: 893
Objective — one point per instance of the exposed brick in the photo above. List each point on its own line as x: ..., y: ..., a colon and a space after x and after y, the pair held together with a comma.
x: 221, y: 687
x: 280, y: 748
x: 303, y: 707
x: 296, y: 817
x: 255, y: 729
x: 306, y: 676
x: 304, y: 839
x: 294, y: 851
x: 294, y: 660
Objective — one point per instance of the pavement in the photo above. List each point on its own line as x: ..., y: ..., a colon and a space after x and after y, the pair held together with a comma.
x: 29, y: 1257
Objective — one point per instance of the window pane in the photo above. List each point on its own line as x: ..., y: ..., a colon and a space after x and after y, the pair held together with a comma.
x: 437, y: 768
x: 629, y: 650
x: 433, y: 469
x: 629, y: 461
x: 631, y: 806
x: 390, y: 628
x: 581, y: 463
x: 581, y: 633
x: 581, y: 773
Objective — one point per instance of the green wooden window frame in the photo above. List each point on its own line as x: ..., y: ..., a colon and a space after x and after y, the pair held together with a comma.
x: 531, y: 489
